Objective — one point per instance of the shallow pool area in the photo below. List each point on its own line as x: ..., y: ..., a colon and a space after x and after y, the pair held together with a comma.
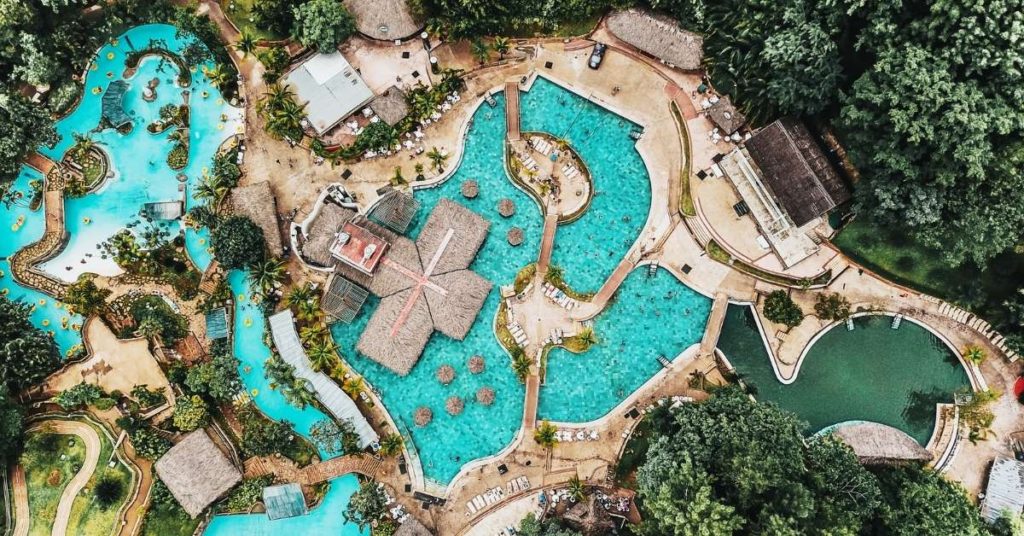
x: 138, y: 158
x: 873, y: 373
x: 652, y: 316
x: 325, y: 518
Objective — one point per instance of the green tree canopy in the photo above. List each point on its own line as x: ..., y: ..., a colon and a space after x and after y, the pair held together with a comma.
x: 190, y: 413
x: 85, y: 298
x: 780, y: 308
x: 23, y: 127
x: 27, y: 354
x: 12, y: 425
x: 323, y: 24
x: 238, y: 243
x: 217, y: 378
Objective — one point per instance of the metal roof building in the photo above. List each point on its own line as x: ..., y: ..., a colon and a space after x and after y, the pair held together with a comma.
x: 113, y: 104
x: 1005, y: 492
x: 285, y: 500
x: 286, y: 340
x: 330, y: 87
x: 217, y: 324
x: 343, y: 299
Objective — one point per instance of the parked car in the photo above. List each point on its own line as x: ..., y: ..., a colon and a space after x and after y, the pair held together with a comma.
x: 597, y: 55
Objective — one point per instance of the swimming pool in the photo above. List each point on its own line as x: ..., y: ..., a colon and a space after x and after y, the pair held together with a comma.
x: 651, y: 316
x: 325, y: 519
x: 138, y: 158
x: 873, y: 373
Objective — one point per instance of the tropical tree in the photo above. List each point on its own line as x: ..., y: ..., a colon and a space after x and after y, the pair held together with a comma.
x: 27, y: 354
x: 212, y: 190
x: 85, y: 298
x: 334, y: 438
x: 79, y: 395
x: 577, y: 490
x: 322, y: 355
x: 83, y: 144
x: 108, y: 491
x: 781, y: 309
x: 323, y: 24
x: 367, y: 505
x: 480, y: 51
x: 267, y: 275
x: 275, y: 16
x: 12, y: 426
x: 437, y: 159
x: 501, y: 46
x: 238, y: 243
x: 217, y: 378
x: 219, y: 76
x: 975, y: 354
x: 246, y: 43
x: 353, y: 386
x: 309, y: 310
x: 391, y: 445
x: 314, y: 333
x: 587, y: 337
x: 521, y: 364
x: 299, y: 295
x: 545, y: 436
x: 190, y: 413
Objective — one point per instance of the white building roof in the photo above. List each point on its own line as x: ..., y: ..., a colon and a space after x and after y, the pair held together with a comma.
x: 282, y: 329
x: 1005, y: 491
x: 330, y: 87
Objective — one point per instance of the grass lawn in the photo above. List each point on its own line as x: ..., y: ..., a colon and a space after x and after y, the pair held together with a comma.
x: 88, y: 518
x: 240, y: 16
x: 46, y: 474
x: 168, y: 520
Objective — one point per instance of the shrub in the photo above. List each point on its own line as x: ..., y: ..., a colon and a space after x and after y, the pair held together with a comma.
x: 831, y: 306
x: 178, y: 157
x: 238, y: 243
x: 780, y: 308
x: 108, y: 491
x: 148, y: 443
x: 155, y: 317
x: 262, y: 436
x: 148, y: 397
x: 190, y: 413
x: 245, y: 496
x: 104, y: 403
x: 82, y: 394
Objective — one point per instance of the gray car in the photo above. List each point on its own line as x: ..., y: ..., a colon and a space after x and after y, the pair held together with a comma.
x: 597, y: 55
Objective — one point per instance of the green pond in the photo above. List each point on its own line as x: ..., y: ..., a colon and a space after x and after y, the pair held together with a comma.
x: 873, y: 373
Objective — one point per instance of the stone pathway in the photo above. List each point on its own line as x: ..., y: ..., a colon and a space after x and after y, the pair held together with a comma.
x: 23, y: 262
x: 92, y: 455
x: 19, y: 491
x: 286, y: 470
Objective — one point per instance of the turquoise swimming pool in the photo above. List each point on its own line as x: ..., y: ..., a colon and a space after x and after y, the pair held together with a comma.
x: 873, y: 373
x: 325, y: 519
x: 652, y: 316
x: 139, y: 157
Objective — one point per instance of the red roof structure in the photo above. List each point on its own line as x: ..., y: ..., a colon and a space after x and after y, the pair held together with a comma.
x: 359, y: 247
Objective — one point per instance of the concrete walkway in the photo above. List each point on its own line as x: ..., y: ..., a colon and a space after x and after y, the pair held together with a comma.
x: 92, y: 456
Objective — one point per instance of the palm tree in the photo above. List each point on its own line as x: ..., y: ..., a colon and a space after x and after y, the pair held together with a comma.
x: 521, y: 366
x: 554, y: 274
x: 353, y: 386
x: 577, y: 491
x: 267, y: 275
x: 212, y: 189
x: 309, y: 310
x: 545, y: 435
x: 300, y: 294
x: 246, y: 43
x: 587, y: 337
x: 313, y: 333
x: 975, y: 354
x: 298, y: 393
x: 390, y: 445
x: 480, y: 51
x: 437, y: 159
x: 83, y: 144
x: 698, y: 379
x: 275, y: 95
x: 501, y: 46
x: 219, y: 76
x: 322, y: 355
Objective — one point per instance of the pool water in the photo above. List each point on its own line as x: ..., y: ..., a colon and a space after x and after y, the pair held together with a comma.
x: 325, y: 519
x: 873, y: 373
x: 48, y: 314
x: 589, y: 249
x: 651, y: 316
x: 139, y: 157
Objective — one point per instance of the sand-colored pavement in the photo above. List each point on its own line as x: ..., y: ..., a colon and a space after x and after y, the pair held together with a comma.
x: 19, y: 492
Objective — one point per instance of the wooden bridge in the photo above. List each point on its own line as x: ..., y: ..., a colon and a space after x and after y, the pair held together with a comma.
x: 512, y: 110
x: 286, y: 470
x: 714, y: 328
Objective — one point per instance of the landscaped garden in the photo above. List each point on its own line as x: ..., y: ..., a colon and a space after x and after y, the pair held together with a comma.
x: 50, y: 461
x: 95, y: 512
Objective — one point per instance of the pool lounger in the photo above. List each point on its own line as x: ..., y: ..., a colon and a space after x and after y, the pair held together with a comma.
x: 470, y: 507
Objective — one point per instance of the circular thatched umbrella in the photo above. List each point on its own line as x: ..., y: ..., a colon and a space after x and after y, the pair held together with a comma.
x: 470, y: 189
x: 485, y: 396
x: 445, y: 374
x: 476, y: 364
x: 453, y: 405
x: 506, y: 208
x: 423, y: 416
x: 515, y: 236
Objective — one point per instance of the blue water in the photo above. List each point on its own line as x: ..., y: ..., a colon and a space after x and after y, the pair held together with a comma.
x: 48, y: 314
x: 325, y: 519
x: 589, y: 249
x: 140, y: 158
x: 650, y: 317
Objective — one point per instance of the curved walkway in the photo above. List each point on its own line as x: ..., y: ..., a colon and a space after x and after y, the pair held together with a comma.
x: 286, y: 470
x: 22, y: 516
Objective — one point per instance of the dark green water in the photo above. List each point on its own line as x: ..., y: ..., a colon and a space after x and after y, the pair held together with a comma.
x: 873, y: 373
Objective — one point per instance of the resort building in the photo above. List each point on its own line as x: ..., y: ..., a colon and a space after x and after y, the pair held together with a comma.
x: 383, y: 19
x: 286, y: 340
x: 113, y: 105
x: 197, y: 472
x: 1004, y: 494
x: 658, y: 36
x: 257, y: 202
x: 391, y: 106
x: 878, y: 444
x: 724, y: 115
x: 284, y: 501
x: 787, y: 184
x: 330, y: 88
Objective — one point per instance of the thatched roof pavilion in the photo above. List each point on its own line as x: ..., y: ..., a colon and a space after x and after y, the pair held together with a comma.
x: 395, y: 210
x: 423, y: 416
x: 316, y: 249
x: 470, y: 189
x: 390, y: 106
x: 256, y: 202
x: 343, y: 299
x: 506, y: 207
x: 878, y: 444
x: 725, y: 116
x: 658, y: 36
x: 196, y: 472
x: 514, y: 236
x: 412, y: 527
x: 485, y: 396
x: 383, y: 19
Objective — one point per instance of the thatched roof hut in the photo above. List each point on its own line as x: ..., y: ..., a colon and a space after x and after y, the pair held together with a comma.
x: 796, y: 170
x: 454, y: 405
x: 445, y: 374
x: 476, y: 364
x: 725, y: 116
x: 515, y: 236
x: 589, y: 517
x: 485, y: 396
x: 506, y: 207
x: 391, y: 106
x: 422, y: 416
x: 256, y: 202
x: 395, y: 210
x: 196, y: 472
x: 383, y: 19
x: 316, y: 249
x: 412, y: 527
x: 343, y: 298
x: 470, y: 189
x: 469, y: 231
x: 396, y: 334
x: 878, y: 444
x: 658, y: 36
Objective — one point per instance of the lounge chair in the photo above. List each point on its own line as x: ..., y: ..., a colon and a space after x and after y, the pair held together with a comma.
x: 470, y: 507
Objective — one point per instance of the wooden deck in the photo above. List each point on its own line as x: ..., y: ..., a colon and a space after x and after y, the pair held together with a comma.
x: 547, y: 242
x: 714, y: 328
x: 512, y: 110
x: 286, y: 470
x: 40, y: 162
x: 532, y: 399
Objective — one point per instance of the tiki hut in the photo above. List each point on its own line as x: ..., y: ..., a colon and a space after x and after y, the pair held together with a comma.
x: 878, y: 444
x: 725, y: 116
x: 257, y: 203
x: 316, y: 248
x: 196, y: 472
x: 454, y: 405
x: 422, y: 416
x: 395, y: 210
x: 515, y: 236
x: 391, y: 106
x: 476, y: 364
x: 412, y: 527
x: 470, y: 189
x: 506, y: 207
x: 658, y: 36
x: 590, y: 518
x: 445, y: 374
x: 386, y: 20
x: 485, y: 396
x: 343, y: 299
